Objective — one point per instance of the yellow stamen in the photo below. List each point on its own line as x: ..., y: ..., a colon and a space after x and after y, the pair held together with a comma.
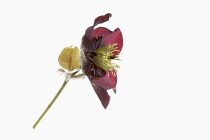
x: 103, y: 57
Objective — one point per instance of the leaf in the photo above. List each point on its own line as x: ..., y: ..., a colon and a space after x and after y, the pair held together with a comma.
x: 69, y: 58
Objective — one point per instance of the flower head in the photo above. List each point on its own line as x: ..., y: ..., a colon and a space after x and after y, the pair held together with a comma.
x: 99, y: 47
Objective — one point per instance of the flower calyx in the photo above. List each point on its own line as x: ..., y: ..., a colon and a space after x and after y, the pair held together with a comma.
x: 71, y: 74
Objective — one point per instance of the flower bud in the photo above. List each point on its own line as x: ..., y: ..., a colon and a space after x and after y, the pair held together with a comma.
x: 69, y: 58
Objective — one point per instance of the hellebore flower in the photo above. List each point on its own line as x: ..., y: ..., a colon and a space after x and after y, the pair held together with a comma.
x: 99, y: 47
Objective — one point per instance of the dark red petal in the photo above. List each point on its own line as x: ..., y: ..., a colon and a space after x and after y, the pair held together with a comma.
x: 98, y: 20
x: 87, y: 44
x: 89, y: 31
x: 109, y: 37
x: 85, y: 63
x: 102, y: 19
x: 107, y: 82
x: 102, y: 95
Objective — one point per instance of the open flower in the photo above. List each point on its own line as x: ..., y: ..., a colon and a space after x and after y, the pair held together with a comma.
x: 99, y: 47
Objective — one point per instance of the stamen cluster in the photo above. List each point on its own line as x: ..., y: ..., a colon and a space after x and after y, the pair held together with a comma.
x: 100, y: 59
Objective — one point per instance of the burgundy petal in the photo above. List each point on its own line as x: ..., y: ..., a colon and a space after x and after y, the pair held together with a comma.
x: 102, y: 19
x: 98, y: 20
x: 89, y: 31
x: 109, y: 37
x: 109, y: 81
x: 102, y: 95
x: 85, y: 63
x: 87, y: 45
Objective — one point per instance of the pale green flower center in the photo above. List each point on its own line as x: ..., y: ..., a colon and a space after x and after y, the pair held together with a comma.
x: 105, y: 56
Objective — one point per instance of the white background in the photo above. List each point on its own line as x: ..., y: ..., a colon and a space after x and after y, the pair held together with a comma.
x: 163, y: 90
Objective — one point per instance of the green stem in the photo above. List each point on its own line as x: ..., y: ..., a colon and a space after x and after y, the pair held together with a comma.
x: 51, y: 103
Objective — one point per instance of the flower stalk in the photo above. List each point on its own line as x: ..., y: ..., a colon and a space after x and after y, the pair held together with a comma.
x: 51, y: 103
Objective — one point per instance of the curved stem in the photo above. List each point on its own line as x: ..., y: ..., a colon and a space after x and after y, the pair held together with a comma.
x: 51, y: 103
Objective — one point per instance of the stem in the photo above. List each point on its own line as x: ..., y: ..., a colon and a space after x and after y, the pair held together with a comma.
x: 51, y: 103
